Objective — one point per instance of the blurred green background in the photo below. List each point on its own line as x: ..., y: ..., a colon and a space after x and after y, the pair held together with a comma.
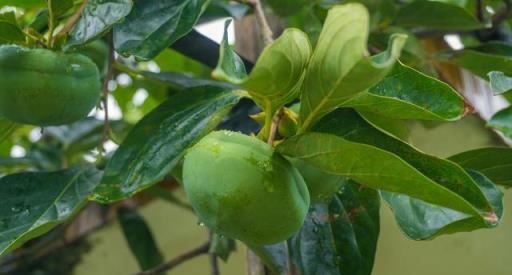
x: 476, y: 253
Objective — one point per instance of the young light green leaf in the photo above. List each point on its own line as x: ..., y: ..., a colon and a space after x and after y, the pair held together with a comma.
x: 156, y: 144
x: 500, y: 83
x: 140, y: 239
x: 98, y: 18
x: 502, y: 121
x: 276, y: 78
x: 436, y: 15
x: 339, y: 238
x: 409, y: 94
x: 339, y: 69
x: 230, y: 68
x: 35, y: 202
x: 494, y: 162
x: 153, y: 25
x: 480, y: 60
x: 10, y: 31
x: 422, y: 221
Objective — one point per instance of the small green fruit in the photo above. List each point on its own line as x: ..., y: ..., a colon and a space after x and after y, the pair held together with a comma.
x: 42, y: 87
x: 241, y: 188
x: 321, y: 185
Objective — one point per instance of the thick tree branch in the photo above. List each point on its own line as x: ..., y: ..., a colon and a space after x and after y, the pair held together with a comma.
x: 200, y: 250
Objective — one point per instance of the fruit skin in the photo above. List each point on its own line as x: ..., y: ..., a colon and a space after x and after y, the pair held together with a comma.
x: 42, y: 87
x: 321, y: 185
x: 242, y: 189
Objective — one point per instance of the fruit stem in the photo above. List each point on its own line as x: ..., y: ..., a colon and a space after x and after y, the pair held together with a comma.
x: 72, y: 20
x: 51, y: 25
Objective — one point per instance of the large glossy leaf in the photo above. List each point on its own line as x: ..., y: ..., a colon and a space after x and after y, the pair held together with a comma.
x: 502, y: 121
x: 356, y: 149
x: 153, y: 25
x: 6, y: 128
x: 35, y: 202
x: 85, y: 134
x: 157, y: 143
x: 182, y: 81
x: 494, y: 163
x: 139, y: 237
x: 98, y: 18
x: 421, y: 221
x: 436, y: 15
x: 339, y: 238
x: 409, y: 94
x: 339, y: 68
x: 480, y: 60
x: 10, y: 31
x: 500, y: 83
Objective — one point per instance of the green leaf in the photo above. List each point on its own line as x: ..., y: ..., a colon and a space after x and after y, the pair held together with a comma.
x: 59, y: 7
x: 157, y: 143
x: 275, y: 257
x: 480, y: 60
x: 436, y: 15
x: 222, y: 246
x: 494, y: 162
x: 230, y: 66
x: 85, y: 134
x: 409, y: 94
x: 393, y: 127
x: 153, y: 25
x: 276, y: 78
x: 500, y: 83
x: 35, y: 202
x: 6, y: 128
x: 421, y: 221
x: 502, y: 121
x: 339, y: 69
x: 384, y: 162
x: 180, y: 81
x: 139, y: 237
x: 10, y: 31
x: 339, y: 238
x: 97, y: 19
x: 23, y: 3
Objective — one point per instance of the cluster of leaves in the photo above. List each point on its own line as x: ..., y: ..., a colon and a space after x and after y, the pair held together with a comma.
x: 338, y: 62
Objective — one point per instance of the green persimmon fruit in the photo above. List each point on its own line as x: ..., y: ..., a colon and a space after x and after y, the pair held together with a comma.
x: 42, y: 87
x: 241, y: 188
x: 321, y: 185
x: 97, y: 51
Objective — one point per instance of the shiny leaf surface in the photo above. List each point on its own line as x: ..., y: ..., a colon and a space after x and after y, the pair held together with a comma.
x: 35, y: 202
x: 157, y: 143
x: 339, y: 238
x: 153, y: 25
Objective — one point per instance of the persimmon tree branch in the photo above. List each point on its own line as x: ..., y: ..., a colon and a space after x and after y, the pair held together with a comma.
x: 72, y: 20
x: 198, y: 251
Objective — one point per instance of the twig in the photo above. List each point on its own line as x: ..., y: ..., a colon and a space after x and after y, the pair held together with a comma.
x: 51, y: 25
x: 266, y: 31
x: 214, y: 261
x: 273, y: 127
x: 200, y: 250
x: 104, y: 98
x: 72, y: 20
x: 479, y: 10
